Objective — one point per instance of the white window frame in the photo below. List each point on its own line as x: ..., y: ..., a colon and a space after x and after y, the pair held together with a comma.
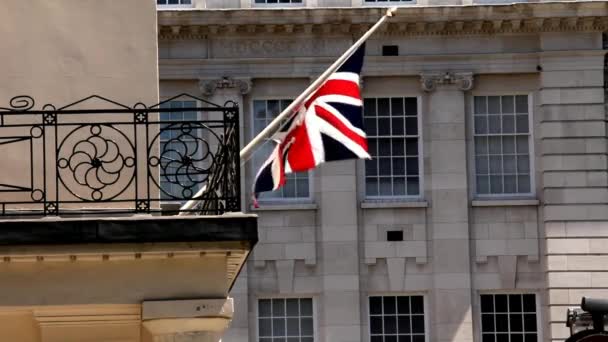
x: 404, y: 198
x: 199, y: 116
x: 539, y: 310
x: 363, y: 3
x: 425, y: 304
x: 174, y: 6
x: 473, y: 179
x: 315, y: 301
x: 301, y: 4
x: 276, y: 200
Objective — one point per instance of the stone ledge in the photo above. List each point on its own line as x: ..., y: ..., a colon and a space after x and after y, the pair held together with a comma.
x: 285, y: 206
x: 370, y: 204
x: 504, y: 202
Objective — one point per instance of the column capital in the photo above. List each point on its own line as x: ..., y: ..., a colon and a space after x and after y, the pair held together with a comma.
x: 209, y: 86
x: 430, y: 80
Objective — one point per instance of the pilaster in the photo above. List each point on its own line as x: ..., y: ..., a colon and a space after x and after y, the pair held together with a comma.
x: 448, y: 215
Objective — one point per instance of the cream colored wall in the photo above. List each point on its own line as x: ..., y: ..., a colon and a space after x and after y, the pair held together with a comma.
x: 61, y: 51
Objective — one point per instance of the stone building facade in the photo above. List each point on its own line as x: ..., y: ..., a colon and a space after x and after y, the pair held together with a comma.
x: 482, y: 216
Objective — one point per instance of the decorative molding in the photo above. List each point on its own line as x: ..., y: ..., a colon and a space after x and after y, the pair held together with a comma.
x: 429, y: 81
x: 209, y: 86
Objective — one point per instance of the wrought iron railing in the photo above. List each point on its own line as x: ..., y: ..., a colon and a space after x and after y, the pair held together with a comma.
x: 100, y: 156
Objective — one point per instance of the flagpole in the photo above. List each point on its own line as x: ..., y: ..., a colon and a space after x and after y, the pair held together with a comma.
x: 248, y: 150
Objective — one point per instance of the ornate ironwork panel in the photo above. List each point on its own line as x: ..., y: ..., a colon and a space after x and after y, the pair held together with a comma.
x: 98, y: 155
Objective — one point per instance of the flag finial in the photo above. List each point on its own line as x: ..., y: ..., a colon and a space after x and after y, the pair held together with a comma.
x: 391, y: 11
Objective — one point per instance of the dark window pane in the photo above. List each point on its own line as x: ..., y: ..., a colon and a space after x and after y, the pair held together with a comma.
x: 278, y: 327
x: 375, y: 305
x: 397, y: 126
x: 508, y: 145
x: 293, y: 307
x: 517, y: 338
x: 495, y: 145
x: 411, y: 126
x: 488, y: 338
x: 389, y: 338
x: 397, y: 106
x: 480, y: 105
x: 398, y: 166
x: 293, y: 327
x: 515, y: 321
x: 523, y: 186
x: 412, y: 166
x: 398, y: 147
x: 521, y: 104
x: 383, y: 107
x: 508, y: 124
x: 384, y: 147
x: 403, y: 324
x: 411, y: 146
x: 390, y: 324
x: 375, y: 325
x: 487, y: 323
x: 530, y: 322
x: 369, y: 107
x: 529, y: 303
x: 502, y: 337
x: 502, y: 323
x: 418, y: 338
x: 264, y: 308
x: 371, y: 167
x: 411, y: 107
x: 483, y: 184
x: 481, y: 124
x: 417, y: 304
x: 306, y: 307
x: 413, y: 186
x: 306, y: 326
x: 370, y: 127
x: 493, y: 104
x: 384, y: 127
x: 389, y: 305
x: 403, y: 305
x: 514, y: 303
x: 521, y: 123
x: 406, y: 338
x: 500, y: 302
x: 264, y: 327
x: 530, y: 338
x: 508, y: 104
x: 376, y: 339
x: 371, y: 187
x: 494, y: 123
x: 273, y: 108
x: 481, y: 145
x: 417, y: 324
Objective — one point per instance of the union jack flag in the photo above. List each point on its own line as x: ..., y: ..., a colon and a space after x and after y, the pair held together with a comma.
x: 327, y: 127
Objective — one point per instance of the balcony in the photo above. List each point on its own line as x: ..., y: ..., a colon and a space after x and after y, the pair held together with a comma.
x: 90, y: 222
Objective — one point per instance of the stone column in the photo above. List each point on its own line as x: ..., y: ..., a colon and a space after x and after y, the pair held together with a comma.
x: 449, y: 305
x: 339, y: 304
x: 219, y: 91
x: 222, y: 92
x: 573, y: 161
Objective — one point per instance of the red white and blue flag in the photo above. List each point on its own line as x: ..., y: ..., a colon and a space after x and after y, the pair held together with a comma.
x: 327, y: 127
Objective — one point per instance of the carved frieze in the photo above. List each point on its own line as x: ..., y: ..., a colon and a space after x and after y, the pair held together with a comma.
x: 463, y: 80
x: 209, y: 86
x: 263, y: 47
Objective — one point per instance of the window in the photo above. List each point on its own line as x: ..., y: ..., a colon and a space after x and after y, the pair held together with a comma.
x: 278, y: 1
x: 502, y: 145
x: 396, y: 319
x: 297, y: 184
x: 385, y: 1
x: 393, y: 132
x: 285, y: 320
x: 176, y: 3
x: 509, y: 318
x: 176, y: 180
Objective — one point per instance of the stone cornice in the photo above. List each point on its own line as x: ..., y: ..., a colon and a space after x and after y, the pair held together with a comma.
x: 416, y: 20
